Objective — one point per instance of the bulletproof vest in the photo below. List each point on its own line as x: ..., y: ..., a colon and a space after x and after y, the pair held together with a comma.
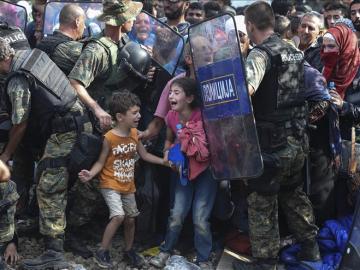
x: 14, y: 36
x: 282, y: 86
x: 49, y: 43
x: 280, y: 96
x: 51, y: 92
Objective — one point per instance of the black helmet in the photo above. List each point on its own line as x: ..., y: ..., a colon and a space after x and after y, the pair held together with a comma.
x: 135, y: 59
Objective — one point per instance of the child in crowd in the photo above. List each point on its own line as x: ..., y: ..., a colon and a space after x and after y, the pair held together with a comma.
x: 116, y: 167
x: 8, y: 237
x: 184, y: 126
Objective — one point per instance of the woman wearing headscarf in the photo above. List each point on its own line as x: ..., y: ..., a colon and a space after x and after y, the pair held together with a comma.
x: 341, y: 59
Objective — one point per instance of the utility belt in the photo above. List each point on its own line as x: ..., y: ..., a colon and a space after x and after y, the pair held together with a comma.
x: 73, y: 121
x: 84, y: 152
x: 273, y: 136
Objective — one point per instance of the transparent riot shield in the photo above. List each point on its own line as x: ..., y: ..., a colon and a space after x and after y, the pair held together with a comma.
x: 163, y: 43
x: 13, y: 15
x: 227, y: 110
x: 351, y: 256
x: 92, y: 10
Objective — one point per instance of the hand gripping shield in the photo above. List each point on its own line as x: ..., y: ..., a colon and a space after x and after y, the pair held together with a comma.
x: 227, y: 110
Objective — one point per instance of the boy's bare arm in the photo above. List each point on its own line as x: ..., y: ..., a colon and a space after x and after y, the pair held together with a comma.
x: 85, y: 175
x: 149, y: 157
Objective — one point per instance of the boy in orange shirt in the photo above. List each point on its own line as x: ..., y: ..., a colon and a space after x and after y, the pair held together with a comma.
x: 116, y: 166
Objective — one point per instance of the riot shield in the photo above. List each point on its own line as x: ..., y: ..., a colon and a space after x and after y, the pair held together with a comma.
x: 165, y: 45
x: 92, y: 10
x: 351, y: 256
x: 13, y: 15
x: 227, y: 110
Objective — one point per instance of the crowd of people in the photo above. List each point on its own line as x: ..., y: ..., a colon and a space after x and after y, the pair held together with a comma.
x: 77, y: 115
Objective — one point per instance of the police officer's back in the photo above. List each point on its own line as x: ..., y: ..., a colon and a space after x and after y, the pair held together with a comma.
x: 275, y: 74
x: 63, y: 47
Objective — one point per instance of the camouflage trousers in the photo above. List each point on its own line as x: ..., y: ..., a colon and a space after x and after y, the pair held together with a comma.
x: 263, y: 209
x: 53, y: 184
x: 7, y: 221
x: 84, y: 201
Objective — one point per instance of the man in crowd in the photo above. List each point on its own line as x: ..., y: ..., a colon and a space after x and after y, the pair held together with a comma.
x: 333, y: 12
x: 283, y: 118
x: 175, y: 11
x: 34, y: 114
x: 309, y: 31
x: 63, y: 47
x: 283, y: 7
x: 34, y: 29
x: 195, y: 13
x: 355, y: 16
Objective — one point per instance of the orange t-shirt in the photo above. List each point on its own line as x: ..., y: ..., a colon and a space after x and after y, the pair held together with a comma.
x: 118, y: 171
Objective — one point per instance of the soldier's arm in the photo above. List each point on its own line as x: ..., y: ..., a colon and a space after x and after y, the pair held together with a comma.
x: 19, y: 95
x: 104, y: 117
x: 92, y: 63
x: 256, y: 65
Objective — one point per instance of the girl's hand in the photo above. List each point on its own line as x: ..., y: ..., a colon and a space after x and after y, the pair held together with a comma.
x: 166, y: 156
x: 336, y: 99
x: 85, y: 176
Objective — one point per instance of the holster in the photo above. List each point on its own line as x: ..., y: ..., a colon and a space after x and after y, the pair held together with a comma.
x: 85, y: 152
x: 271, y: 136
x: 265, y: 184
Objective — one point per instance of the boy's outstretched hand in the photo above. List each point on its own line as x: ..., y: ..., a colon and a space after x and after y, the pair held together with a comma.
x: 85, y: 176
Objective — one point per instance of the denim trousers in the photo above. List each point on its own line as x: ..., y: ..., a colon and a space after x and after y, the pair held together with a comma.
x: 199, y: 193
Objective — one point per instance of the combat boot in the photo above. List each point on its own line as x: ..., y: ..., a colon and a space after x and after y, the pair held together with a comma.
x: 270, y: 264
x: 52, y: 258
x: 309, y: 251
x: 77, y: 246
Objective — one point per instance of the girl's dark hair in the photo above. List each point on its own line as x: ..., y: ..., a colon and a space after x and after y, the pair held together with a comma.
x: 190, y: 87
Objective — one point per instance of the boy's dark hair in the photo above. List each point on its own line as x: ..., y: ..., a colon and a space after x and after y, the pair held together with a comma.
x: 261, y: 15
x: 282, y: 7
x: 335, y: 6
x: 282, y: 24
x: 122, y: 101
x: 190, y: 87
x: 196, y: 5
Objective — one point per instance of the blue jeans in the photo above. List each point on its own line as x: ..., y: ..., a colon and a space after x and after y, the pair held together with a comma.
x: 200, y: 193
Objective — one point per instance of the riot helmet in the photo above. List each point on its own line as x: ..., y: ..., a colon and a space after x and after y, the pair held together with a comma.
x: 134, y: 60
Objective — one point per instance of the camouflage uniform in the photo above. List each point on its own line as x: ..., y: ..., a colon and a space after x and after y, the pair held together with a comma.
x: 93, y: 68
x: 52, y: 187
x: 64, y: 54
x: 280, y: 184
x: 7, y: 221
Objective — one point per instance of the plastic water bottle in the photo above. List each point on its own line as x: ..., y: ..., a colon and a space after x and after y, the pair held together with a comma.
x: 332, y: 86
